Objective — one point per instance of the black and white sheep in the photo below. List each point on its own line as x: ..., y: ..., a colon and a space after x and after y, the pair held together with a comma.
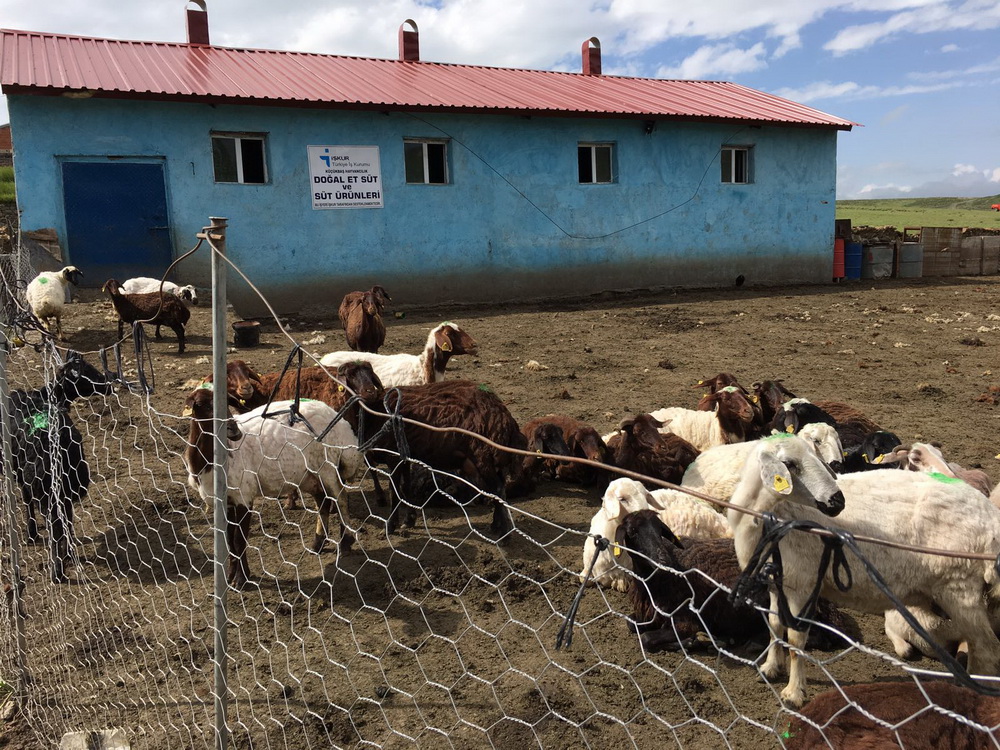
x: 147, y: 284
x: 46, y: 296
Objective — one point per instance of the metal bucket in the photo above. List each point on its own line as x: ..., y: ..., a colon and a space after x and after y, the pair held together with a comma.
x: 246, y: 333
x: 911, y: 260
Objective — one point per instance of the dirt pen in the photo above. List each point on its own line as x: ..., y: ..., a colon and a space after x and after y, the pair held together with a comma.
x: 436, y: 635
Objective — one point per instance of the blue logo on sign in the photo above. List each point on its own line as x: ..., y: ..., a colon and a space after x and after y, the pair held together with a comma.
x: 326, y: 158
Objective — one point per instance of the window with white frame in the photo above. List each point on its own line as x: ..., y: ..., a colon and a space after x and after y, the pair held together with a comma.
x: 595, y: 161
x: 737, y: 164
x: 239, y: 157
x: 426, y: 161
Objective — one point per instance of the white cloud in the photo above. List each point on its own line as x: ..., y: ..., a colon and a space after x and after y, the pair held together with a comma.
x: 950, y: 48
x: 963, y: 169
x: 852, y: 90
x: 993, y: 175
x: 988, y: 67
x: 717, y: 60
x: 875, y: 191
x: 894, y: 114
x: 976, y: 15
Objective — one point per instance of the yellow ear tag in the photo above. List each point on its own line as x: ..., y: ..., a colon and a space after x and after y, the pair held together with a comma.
x: 340, y: 388
x: 754, y: 399
x: 446, y: 346
x: 878, y: 459
x: 780, y: 483
x: 188, y: 411
x: 790, y: 429
x: 864, y: 457
x: 618, y: 551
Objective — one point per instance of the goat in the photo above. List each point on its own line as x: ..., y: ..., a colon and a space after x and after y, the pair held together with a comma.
x: 153, y: 307
x: 361, y: 317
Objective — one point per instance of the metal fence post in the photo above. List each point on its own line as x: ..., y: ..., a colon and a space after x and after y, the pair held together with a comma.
x: 216, y: 236
x: 12, y: 504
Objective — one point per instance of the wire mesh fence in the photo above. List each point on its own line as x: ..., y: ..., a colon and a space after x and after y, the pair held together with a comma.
x: 436, y: 634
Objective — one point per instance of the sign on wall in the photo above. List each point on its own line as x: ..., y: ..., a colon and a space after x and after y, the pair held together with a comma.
x: 345, y: 177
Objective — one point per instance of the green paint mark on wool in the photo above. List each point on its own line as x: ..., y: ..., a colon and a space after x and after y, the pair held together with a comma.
x: 43, y: 280
x: 37, y: 422
x: 485, y: 388
x: 945, y: 478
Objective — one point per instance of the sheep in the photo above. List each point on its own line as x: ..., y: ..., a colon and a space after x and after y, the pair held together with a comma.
x: 911, y: 715
x: 152, y: 307
x: 622, y: 496
x: 669, y: 613
x: 782, y: 476
x: 472, y: 407
x: 770, y: 394
x: 45, y: 444
x: 443, y: 342
x: 689, y: 516
x: 928, y: 459
x: 716, y: 472
x: 733, y: 421
x: 879, y: 450
x: 147, y: 284
x: 541, y: 437
x: 800, y: 411
x: 847, y: 414
x: 361, y: 318
x: 268, y: 453
x: 583, y: 441
x: 641, y: 448
x: 46, y: 295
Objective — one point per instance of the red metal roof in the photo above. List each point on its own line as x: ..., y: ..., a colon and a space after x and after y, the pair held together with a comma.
x: 42, y: 63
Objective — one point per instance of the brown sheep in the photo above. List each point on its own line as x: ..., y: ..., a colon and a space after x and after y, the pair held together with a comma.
x: 583, y: 441
x: 905, y: 706
x: 157, y: 308
x: 469, y: 406
x: 641, y: 448
x: 361, y: 317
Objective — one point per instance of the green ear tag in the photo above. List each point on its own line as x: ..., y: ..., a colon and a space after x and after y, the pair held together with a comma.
x: 780, y: 483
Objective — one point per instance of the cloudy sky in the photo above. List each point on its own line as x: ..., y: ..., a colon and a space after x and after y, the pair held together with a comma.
x: 922, y: 76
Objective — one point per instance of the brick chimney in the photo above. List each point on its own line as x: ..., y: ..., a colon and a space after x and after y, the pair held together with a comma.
x: 197, y: 23
x: 592, y: 57
x: 409, y: 41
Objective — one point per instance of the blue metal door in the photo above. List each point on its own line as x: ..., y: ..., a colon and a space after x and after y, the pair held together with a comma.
x: 116, y: 219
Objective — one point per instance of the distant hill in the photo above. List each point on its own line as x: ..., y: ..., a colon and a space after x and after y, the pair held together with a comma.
x: 926, y: 212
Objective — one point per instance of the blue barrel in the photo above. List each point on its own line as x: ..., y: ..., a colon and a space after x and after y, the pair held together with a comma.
x: 852, y: 260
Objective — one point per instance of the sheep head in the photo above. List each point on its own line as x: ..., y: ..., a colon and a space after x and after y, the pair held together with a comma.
x: 360, y: 378
x: 72, y: 274
x: 624, y: 496
x: 112, y: 287
x: 242, y: 382
x: 718, y: 382
x: 452, y: 340
x: 644, y: 532
x: 381, y: 296
x: 787, y: 467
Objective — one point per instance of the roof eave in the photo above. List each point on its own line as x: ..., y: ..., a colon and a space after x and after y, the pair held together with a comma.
x: 396, y: 107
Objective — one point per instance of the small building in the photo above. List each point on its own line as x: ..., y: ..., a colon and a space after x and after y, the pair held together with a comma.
x: 6, y: 150
x: 441, y: 182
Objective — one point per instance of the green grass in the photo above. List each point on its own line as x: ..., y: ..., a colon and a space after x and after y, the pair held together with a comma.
x: 922, y: 212
x: 6, y: 184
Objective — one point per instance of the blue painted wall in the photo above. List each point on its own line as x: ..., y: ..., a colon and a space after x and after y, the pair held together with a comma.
x: 667, y: 221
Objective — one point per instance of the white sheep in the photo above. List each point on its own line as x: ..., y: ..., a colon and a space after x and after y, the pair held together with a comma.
x: 46, y: 295
x: 144, y: 284
x: 929, y: 459
x: 784, y: 477
x: 689, y: 516
x: 716, y: 472
x: 443, y: 342
x: 622, y: 497
x: 267, y: 457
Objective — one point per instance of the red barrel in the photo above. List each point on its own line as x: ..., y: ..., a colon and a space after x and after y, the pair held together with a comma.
x: 838, y: 259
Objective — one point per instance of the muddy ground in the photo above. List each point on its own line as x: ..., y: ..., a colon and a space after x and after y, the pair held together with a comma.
x: 436, y: 635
